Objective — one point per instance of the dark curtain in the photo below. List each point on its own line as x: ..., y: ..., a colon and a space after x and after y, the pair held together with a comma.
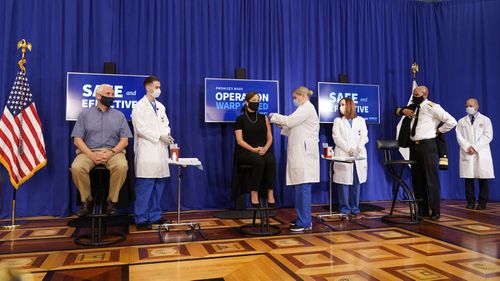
x: 298, y: 42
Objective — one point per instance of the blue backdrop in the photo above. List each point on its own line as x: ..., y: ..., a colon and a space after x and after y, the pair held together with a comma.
x: 297, y: 42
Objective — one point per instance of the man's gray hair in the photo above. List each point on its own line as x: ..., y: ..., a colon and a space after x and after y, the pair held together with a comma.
x: 99, y: 88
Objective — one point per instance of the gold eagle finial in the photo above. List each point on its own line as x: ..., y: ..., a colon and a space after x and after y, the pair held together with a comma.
x: 23, y: 45
x: 414, y: 69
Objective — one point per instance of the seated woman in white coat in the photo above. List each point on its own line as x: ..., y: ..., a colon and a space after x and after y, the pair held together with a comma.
x: 302, y: 164
x: 350, y: 136
x: 151, y: 138
x: 474, y: 134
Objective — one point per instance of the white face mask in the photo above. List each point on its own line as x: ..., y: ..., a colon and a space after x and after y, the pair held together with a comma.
x: 156, y: 93
x: 342, y: 109
x: 470, y: 110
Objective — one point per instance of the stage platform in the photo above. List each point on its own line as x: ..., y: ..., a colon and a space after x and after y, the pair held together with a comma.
x: 462, y: 245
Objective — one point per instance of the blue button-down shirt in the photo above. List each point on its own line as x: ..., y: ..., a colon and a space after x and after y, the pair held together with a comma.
x: 100, y: 129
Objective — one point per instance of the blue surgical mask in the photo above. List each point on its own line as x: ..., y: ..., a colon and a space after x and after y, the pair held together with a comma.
x: 296, y: 103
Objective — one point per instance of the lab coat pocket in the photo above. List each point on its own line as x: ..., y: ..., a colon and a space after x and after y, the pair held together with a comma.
x: 466, y: 159
x: 479, y: 130
x: 341, y: 168
x: 311, y: 153
x: 296, y: 156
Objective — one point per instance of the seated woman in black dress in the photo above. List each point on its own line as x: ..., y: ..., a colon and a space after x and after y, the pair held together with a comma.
x: 254, y: 139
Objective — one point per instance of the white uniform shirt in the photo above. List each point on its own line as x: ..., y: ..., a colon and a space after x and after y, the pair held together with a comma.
x: 431, y: 114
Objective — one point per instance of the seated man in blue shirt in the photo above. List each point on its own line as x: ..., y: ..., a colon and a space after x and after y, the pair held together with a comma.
x: 100, y: 134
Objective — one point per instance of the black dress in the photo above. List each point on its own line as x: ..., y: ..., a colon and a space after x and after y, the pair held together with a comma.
x: 254, y: 131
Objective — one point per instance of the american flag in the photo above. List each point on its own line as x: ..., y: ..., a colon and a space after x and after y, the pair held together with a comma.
x: 22, y: 148
x: 405, y: 151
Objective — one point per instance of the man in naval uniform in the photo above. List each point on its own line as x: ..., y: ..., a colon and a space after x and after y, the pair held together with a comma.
x: 428, y: 120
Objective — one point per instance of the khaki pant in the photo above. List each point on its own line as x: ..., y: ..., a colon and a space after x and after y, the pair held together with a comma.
x: 117, y: 166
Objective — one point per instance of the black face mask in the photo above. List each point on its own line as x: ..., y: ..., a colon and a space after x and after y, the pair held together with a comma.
x: 417, y: 100
x: 107, y: 101
x: 253, y: 105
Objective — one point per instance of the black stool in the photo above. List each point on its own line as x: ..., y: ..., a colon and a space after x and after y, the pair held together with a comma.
x: 99, y: 182
x: 264, y: 228
x: 396, y: 169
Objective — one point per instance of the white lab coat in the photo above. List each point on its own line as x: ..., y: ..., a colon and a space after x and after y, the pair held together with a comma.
x: 479, y: 136
x: 151, y: 154
x: 302, y: 129
x: 347, y: 138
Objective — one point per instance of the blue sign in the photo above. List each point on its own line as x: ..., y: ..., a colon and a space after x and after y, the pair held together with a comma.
x: 366, y: 97
x: 224, y: 98
x: 80, y: 91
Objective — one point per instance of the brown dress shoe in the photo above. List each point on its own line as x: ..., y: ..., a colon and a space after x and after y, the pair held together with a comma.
x: 110, y: 208
x: 85, y: 208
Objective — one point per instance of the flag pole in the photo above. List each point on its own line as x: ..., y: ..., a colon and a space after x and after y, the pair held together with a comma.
x: 13, y: 218
x: 5, y: 225
x: 23, y: 45
x: 12, y: 224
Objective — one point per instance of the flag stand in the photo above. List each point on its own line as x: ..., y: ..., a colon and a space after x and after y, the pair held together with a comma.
x: 23, y: 45
x: 12, y: 225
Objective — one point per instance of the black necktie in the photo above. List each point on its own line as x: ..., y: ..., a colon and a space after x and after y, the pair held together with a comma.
x: 472, y: 119
x: 414, y: 127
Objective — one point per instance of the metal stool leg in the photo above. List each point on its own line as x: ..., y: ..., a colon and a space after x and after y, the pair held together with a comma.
x: 97, y: 220
x: 264, y: 228
x: 412, y: 204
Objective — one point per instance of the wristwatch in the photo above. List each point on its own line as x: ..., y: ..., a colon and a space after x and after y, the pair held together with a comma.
x: 114, y: 153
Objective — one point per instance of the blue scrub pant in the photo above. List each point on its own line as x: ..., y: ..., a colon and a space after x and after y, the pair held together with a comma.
x: 303, y: 204
x: 148, y: 194
x: 349, y: 196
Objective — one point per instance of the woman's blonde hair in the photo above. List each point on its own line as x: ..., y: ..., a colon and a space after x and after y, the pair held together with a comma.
x: 303, y: 91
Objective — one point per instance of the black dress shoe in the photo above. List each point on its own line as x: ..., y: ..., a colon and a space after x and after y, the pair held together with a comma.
x: 435, y: 216
x: 110, y: 208
x: 470, y: 206
x: 481, y: 207
x: 424, y: 215
x: 162, y: 221
x: 255, y: 205
x: 144, y: 226
x: 271, y: 205
x: 296, y: 228
x: 85, y: 209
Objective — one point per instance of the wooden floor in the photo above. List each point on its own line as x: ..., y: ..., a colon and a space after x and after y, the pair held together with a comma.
x: 462, y: 245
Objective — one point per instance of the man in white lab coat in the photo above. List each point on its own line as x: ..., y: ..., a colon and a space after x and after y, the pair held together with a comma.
x: 474, y: 134
x: 151, y: 140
